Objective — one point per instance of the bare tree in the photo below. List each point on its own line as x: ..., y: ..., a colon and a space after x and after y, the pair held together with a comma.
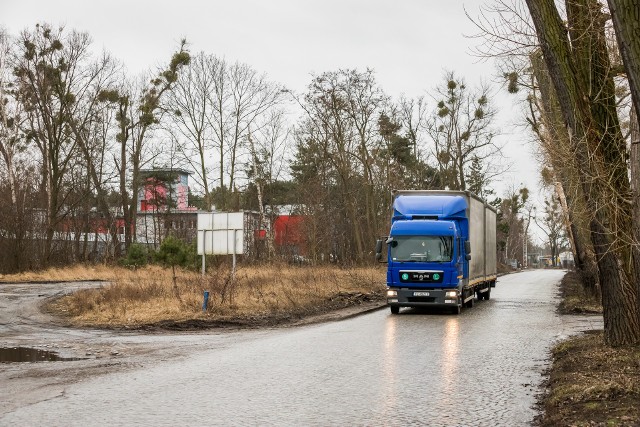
x: 461, y: 130
x: 576, y: 54
x: 336, y: 140
x: 626, y: 21
x: 241, y: 96
x: 90, y: 122
x: 560, y: 168
x: 269, y: 154
x: 552, y: 225
x: 412, y: 113
x: 193, y: 111
x: 10, y: 116
x: 16, y: 165
x: 576, y: 69
x: 50, y: 71
x: 511, y: 224
x: 136, y: 116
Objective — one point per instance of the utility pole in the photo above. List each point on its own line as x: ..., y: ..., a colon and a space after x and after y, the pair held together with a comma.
x: 525, y: 244
x: 524, y: 249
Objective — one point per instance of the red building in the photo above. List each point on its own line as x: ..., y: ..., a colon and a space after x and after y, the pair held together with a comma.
x: 289, y: 236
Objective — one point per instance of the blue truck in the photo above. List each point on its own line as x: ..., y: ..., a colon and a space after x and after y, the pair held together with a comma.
x: 441, y: 250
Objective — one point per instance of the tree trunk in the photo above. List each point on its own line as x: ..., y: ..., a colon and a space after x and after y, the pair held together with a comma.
x: 590, y: 44
x: 626, y: 22
x: 585, y: 264
x: 556, y: 144
x: 635, y: 186
x: 622, y: 323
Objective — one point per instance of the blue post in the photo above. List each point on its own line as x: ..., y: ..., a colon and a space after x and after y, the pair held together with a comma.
x: 206, y: 301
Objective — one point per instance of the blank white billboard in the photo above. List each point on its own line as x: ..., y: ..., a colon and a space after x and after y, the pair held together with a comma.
x: 220, y: 233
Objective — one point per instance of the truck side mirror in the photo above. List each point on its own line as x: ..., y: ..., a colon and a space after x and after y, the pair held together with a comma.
x: 379, y: 243
x: 467, y: 247
x: 467, y: 257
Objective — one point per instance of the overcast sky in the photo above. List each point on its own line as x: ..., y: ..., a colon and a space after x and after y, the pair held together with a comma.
x: 409, y: 44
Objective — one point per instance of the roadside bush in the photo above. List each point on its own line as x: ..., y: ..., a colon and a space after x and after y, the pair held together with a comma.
x: 137, y: 256
x: 193, y: 261
x: 173, y: 252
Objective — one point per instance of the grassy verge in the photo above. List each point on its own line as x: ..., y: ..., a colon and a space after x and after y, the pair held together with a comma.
x: 574, y: 298
x: 589, y: 383
x: 255, y: 296
x: 66, y: 274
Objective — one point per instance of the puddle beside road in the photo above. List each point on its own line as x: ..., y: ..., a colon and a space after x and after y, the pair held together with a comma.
x: 26, y: 354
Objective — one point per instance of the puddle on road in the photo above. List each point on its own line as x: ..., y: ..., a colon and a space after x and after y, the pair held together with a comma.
x: 26, y: 354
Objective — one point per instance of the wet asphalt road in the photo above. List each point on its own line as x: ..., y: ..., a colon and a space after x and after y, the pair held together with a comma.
x: 481, y: 368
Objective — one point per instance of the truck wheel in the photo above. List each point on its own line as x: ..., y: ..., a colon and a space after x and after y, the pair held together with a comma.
x: 487, y: 294
x: 394, y: 309
x: 457, y: 309
x: 469, y: 304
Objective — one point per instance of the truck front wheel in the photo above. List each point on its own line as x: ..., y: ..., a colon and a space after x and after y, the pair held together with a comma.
x: 394, y: 309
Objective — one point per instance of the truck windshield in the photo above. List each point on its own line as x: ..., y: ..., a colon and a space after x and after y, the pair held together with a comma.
x: 422, y: 248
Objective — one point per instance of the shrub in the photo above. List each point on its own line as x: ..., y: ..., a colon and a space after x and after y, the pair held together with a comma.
x: 137, y: 256
x: 173, y: 252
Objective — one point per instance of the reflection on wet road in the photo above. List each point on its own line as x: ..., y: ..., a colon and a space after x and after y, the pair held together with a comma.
x: 482, y: 367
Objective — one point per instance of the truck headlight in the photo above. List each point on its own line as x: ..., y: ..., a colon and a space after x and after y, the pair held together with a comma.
x: 451, y: 294
x: 391, y: 293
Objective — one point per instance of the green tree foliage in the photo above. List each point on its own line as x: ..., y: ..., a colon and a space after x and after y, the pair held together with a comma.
x: 397, y: 147
x: 275, y: 194
x: 477, y: 180
x: 174, y: 253
x: 137, y: 256
x: 399, y: 160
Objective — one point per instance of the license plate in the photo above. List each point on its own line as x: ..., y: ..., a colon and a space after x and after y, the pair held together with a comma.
x: 421, y: 294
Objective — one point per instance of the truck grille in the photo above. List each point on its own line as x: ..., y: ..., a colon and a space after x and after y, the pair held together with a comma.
x: 421, y: 299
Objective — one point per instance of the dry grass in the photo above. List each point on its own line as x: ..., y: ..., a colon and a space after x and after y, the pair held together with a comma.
x: 591, y: 384
x: 574, y: 298
x: 257, y: 295
x: 66, y: 274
